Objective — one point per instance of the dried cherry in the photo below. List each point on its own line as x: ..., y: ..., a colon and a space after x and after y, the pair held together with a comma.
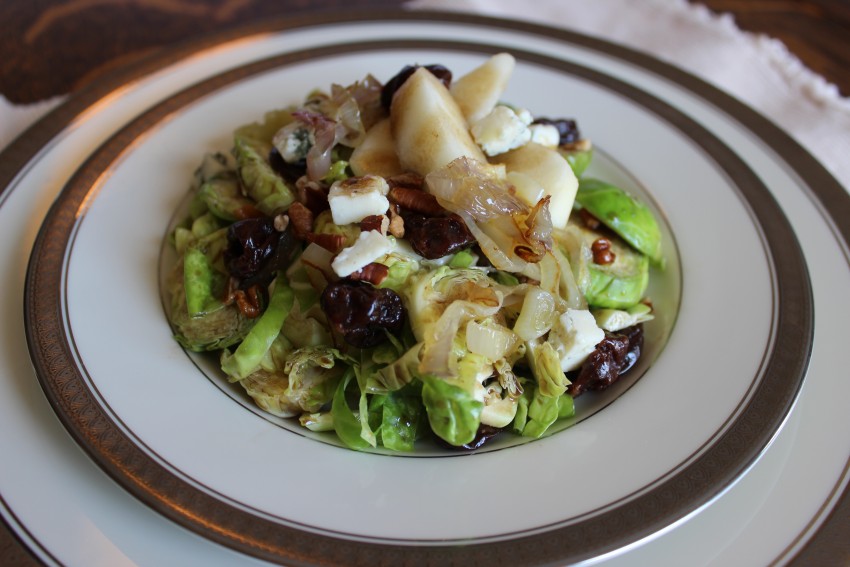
x: 567, y: 129
x: 256, y: 251
x: 362, y: 313
x: 395, y: 83
x: 435, y: 237
x: 635, y: 335
x: 484, y: 434
x: 615, y: 355
x: 289, y: 171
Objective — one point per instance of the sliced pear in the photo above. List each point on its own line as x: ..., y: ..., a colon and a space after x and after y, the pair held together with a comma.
x: 548, y: 168
x: 427, y: 125
x: 477, y: 92
x: 376, y: 153
x: 527, y: 188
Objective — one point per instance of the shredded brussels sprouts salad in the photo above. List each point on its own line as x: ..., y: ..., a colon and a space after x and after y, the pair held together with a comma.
x: 410, y: 260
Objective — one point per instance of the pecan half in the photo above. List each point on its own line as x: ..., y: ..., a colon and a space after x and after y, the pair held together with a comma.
x: 300, y: 220
x: 416, y: 201
x: 409, y: 180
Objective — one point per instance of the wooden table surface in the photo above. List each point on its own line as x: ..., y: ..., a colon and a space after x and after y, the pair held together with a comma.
x: 52, y: 47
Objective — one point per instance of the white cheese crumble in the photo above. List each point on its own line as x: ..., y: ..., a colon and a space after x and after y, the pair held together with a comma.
x: 353, y: 199
x: 545, y: 135
x: 574, y: 336
x: 293, y: 143
x: 523, y: 114
x: 368, y: 247
x: 502, y: 130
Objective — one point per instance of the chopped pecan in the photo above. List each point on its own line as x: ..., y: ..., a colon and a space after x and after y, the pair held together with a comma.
x: 301, y: 220
x: 330, y: 242
x: 416, y: 200
x: 396, y: 227
x: 602, y: 253
x: 312, y: 194
x: 375, y: 222
x: 588, y: 219
x: 281, y: 222
x: 373, y: 273
x: 247, y: 301
x: 409, y: 180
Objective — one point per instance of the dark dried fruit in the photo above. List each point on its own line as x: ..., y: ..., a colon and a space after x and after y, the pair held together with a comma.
x: 256, y: 251
x: 312, y: 194
x: 635, y: 335
x: 395, y: 83
x: 567, y: 129
x: 289, y: 171
x: 362, y: 313
x: 615, y: 355
x: 435, y: 237
x: 484, y: 434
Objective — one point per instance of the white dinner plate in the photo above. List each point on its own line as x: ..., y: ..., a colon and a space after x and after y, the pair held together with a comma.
x: 735, y: 302
x: 150, y: 418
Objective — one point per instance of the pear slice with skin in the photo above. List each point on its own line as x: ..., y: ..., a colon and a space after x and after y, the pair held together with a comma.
x: 478, y: 92
x: 548, y: 168
x: 376, y: 153
x: 427, y: 125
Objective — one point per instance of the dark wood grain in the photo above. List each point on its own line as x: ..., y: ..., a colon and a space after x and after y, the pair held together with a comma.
x: 816, y: 31
x: 53, y: 47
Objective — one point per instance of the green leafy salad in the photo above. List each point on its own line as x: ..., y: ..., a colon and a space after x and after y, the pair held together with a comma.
x: 414, y: 261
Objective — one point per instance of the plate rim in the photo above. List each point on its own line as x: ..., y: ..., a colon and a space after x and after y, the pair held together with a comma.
x: 513, y: 25
x: 113, y: 450
x: 127, y: 463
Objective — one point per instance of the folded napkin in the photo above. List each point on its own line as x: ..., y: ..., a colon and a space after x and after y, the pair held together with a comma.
x: 14, y: 119
x: 754, y: 68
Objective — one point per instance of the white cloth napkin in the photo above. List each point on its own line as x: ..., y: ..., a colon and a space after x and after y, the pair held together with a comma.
x: 14, y: 119
x: 756, y: 69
